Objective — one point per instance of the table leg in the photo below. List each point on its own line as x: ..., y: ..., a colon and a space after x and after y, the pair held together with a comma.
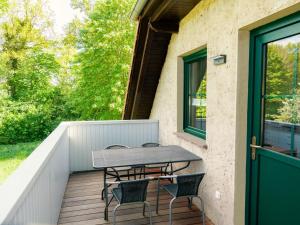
x: 105, y: 196
x: 134, y: 171
x: 172, y: 180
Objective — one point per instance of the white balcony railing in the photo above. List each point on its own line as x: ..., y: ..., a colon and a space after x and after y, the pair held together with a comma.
x: 33, y: 194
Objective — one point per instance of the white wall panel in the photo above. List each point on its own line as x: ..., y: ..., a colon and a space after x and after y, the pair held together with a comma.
x: 88, y: 136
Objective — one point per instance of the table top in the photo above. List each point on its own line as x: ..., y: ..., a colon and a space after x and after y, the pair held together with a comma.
x: 141, y: 156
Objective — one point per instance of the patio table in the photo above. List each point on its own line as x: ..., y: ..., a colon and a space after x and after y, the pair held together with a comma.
x: 104, y: 159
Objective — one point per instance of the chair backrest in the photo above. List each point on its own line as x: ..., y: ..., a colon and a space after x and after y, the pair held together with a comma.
x: 188, y: 185
x: 133, y: 191
x: 150, y: 144
x: 116, y: 146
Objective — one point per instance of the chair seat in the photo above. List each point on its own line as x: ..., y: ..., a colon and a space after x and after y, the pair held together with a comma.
x: 171, y: 188
x: 157, y: 165
x: 117, y: 193
x: 124, y: 168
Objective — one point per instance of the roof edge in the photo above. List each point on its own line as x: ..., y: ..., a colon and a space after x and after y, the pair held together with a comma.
x: 138, y: 8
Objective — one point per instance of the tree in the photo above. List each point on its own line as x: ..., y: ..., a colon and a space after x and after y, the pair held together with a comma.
x: 45, y: 80
x: 105, y: 46
x: 3, y: 5
x: 25, y: 48
x: 278, y: 79
x: 32, y: 101
x: 283, y: 93
x: 290, y: 111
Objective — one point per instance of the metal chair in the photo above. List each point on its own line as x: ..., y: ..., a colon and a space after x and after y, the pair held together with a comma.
x: 162, y: 166
x: 186, y: 186
x: 131, y: 192
x: 114, y: 172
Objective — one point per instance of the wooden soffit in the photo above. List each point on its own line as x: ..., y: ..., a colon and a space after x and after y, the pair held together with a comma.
x: 157, y: 22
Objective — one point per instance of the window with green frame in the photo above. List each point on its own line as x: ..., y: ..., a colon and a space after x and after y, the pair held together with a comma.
x: 195, y: 93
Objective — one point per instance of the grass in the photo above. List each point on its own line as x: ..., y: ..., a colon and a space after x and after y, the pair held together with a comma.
x: 12, y: 155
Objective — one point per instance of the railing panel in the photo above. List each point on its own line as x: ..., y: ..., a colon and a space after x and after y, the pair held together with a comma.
x: 33, y: 193
x: 287, y: 140
x: 88, y: 136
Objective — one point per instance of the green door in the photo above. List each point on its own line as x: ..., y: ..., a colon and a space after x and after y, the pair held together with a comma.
x: 274, y: 124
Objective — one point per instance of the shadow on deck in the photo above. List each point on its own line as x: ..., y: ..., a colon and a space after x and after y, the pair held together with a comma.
x: 82, y: 205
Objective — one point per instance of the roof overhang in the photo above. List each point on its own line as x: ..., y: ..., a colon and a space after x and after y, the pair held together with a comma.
x: 158, y: 20
x: 137, y: 9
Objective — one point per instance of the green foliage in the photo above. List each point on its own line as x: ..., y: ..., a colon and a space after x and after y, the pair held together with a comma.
x: 282, y: 104
x: 12, y: 155
x: 25, y: 122
x: 33, y: 101
x: 290, y: 110
x: 201, y: 95
x: 278, y: 80
x: 27, y: 62
x: 32, y: 79
x: 3, y: 5
x: 102, y: 66
x: 279, y: 73
x: 45, y: 80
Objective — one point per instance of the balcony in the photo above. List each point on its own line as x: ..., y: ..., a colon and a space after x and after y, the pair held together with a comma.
x: 46, y: 190
x: 82, y: 204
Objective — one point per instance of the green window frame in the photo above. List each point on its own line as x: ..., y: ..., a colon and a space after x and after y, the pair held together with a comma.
x: 188, y: 61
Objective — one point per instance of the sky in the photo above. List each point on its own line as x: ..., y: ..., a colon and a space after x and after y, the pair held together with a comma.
x: 63, y: 14
x: 293, y: 40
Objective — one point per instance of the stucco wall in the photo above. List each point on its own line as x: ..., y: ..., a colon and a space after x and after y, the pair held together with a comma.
x: 223, y: 27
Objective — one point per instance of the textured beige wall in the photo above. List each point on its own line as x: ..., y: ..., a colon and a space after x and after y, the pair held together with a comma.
x: 223, y: 27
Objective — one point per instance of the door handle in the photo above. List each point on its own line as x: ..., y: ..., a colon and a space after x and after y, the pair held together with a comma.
x: 254, y: 147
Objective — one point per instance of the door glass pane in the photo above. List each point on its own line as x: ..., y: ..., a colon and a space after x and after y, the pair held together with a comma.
x: 281, y: 96
x: 297, y: 140
x: 197, y: 94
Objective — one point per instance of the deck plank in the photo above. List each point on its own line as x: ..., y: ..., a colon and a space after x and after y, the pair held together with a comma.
x: 82, y: 205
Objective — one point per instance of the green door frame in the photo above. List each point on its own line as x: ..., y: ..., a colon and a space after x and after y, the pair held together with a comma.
x: 284, y: 27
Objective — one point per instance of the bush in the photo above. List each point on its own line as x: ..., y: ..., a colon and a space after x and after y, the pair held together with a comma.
x: 25, y: 122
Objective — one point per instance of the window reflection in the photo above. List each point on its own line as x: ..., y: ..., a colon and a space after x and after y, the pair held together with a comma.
x: 282, y: 96
x: 197, y: 94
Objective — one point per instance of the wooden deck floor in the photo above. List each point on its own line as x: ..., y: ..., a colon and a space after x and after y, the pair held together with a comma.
x: 82, y: 205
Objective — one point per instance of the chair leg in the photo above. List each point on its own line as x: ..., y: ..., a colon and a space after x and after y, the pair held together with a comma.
x: 157, y: 197
x: 203, y: 211
x: 141, y: 172
x: 128, y: 174
x: 110, y: 201
x: 166, y: 170
x: 149, y: 210
x: 114, y: 214
x: 172, y: 180
x: 190, y: 202
x: 170, y: 211
x: 144, y: 206
x: 102, y: 192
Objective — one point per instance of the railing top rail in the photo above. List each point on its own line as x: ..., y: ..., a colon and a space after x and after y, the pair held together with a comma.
x: 103, y: 122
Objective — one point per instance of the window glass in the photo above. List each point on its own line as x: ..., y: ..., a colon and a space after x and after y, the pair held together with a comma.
x: 195, y: 97
x: 282, y: 96
x: 197, y: 94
